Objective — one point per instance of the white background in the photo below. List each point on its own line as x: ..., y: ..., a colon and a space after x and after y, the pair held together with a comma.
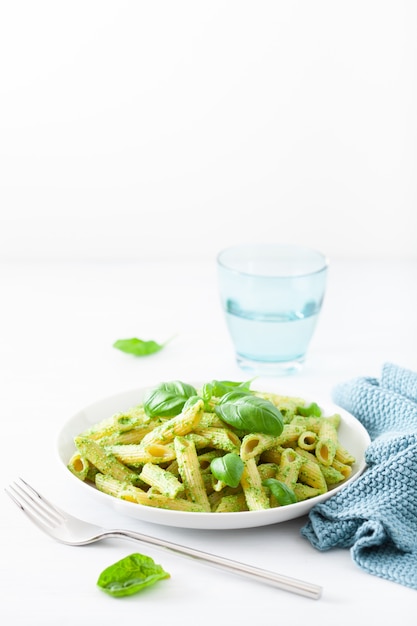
x: 133, y: 129
x: 137, y: 138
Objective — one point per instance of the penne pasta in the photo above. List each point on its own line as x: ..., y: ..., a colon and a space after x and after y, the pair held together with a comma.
x: 189, y: 470
x: 180, y: 425
x: 105, y: 461
x: 169, y: 462
x: 289, y: 467
x: 221, y: 438
x: 251, y: 482
x: 254, y: 444
x: 79, y: 466
x: 162, y: 480
x: 138, y: 455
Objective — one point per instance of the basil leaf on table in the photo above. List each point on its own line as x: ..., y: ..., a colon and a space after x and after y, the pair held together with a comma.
x: 250, y: 413
x: 138, y: 347
x: 284, y: 494
x: 168, y: 399
x: 130, y: 575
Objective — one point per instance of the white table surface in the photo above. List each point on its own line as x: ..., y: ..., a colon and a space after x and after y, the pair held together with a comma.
x: 58, y: 323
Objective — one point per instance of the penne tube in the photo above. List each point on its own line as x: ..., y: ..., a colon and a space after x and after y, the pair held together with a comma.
x: 290, y: 434
x: 137, y: 455
x: 162, y: 502
x: 220, y: 438
x: 232, y: 503
x: 204, y: 460
x: 328, y: 431
x: 286, y: 404
x: 118, y: 422
x: 343, y: 468
x: 254, y: 444
x: 325, y: 451
x: 163, y: 481
x: 215, y: 497
x: 79, y: 466
x: 304, y: 492
x: 255, y: 494
x: 134, y: 435
x: 179, y: 425
x: 111, y: 485
x: 267, y: 470
x: 124, y: 491
x: 311, y: 474
x: 211, y: 420
x: 344, y: 456
x: 289, y: 467
x: 331, y: 475
x: 273, y: 455
x: 105, y: 461
x: 307, y: 440
x: 327, y: 442
x: 190, y: 473
x: 334, y: 419
x: 200, y: 441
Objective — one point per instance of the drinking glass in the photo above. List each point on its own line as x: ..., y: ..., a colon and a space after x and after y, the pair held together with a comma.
x: 272, y: 296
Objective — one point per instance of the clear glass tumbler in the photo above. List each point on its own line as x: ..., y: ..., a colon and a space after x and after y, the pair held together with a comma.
x: 272, y: 296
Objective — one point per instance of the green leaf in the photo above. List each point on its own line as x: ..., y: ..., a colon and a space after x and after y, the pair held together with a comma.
x: 228, y: 469
x: 311, y: 409
x: 219, y: 388
x: 168, y: 399
x: 138, y: 347
x: 284, y: 494
x: 130, y: 575
x: 250, y: 413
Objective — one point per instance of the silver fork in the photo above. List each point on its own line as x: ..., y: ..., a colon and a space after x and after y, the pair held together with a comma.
x: 74, y: 532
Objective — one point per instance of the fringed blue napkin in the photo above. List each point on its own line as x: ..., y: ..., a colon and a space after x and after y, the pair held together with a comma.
x: 376, y: 516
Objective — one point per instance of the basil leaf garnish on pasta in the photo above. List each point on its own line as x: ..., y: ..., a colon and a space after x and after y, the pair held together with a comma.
x: 228, y: 469
x: 219, y: 388
x: 284, y: 494
x: 168, y: 399
x: 250, y: 413
x: 312, y: 409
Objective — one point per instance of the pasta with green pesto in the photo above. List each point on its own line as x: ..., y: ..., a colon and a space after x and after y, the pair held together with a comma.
x: 222, y: 448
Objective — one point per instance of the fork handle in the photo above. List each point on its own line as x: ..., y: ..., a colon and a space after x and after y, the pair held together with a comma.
x: 286, y: 583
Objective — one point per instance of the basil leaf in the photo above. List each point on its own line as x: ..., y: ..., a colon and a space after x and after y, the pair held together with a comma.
x: 311, y: 409
x: 192, y: 400
x: 250, y: 413
x: 138, y: 347
x: 130, y: 575
x: 219, y: 388
x: 284, y: 494
x: 228, y: 468
x: 167, y: 399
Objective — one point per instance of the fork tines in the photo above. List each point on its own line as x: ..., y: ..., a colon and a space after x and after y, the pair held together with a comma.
x: 33, y: 504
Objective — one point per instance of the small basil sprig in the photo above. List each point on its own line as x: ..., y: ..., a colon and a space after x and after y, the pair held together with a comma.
x: 219, y: 388
x: 130, y: 575
x: 168, y: 399
x: 250, y: 413
x: 312, y: 409
x: 284, y: 494
x: 228, y: 469
x: 138, y: 347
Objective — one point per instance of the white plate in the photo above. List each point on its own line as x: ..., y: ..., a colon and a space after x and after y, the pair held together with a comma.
x: 351, y: 434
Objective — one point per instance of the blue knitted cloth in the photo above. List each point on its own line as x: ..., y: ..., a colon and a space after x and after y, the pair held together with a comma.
x: 376, y: 515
